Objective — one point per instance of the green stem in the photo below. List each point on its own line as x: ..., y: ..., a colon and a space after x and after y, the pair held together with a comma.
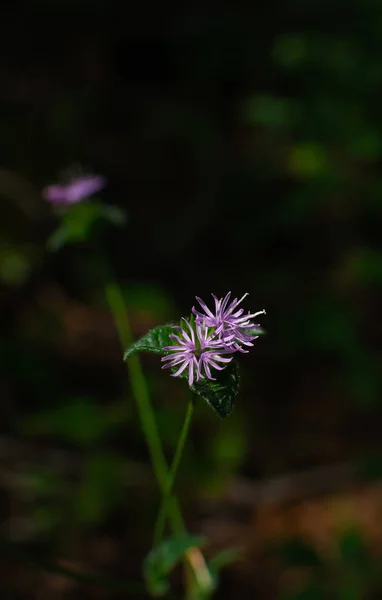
x: 167, y: 496
x: 140, y: 391
x: 142, y: 398
x: 138, y: 383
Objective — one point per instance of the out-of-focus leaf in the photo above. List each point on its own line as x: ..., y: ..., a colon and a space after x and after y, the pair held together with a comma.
x: 215, y: 565
x: 162, y: 560
x: 228, y: 447
x: 269, y: 111
x: 352, y: 548
x: 79, y: 220
x: 352, y: 589
x: 78, y: 421
x: 45, y: 518
x: 289, y: 50
x: 42, y: 483
x: 57, y: 239
x: 307, y: 160
x: 16, y: 264
x: 150, y: 299
x: 101, y: 487
x: 114, y: 214
x: 365, y: 145
x: 222, y: 559
x: 366, y: 267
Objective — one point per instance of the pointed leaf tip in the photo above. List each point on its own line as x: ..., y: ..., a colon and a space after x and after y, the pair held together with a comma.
x: 220, y: 394
x: 154, y: 341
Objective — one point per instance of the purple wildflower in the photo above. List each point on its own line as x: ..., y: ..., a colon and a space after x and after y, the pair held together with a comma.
x: 230, y: 323
x: 77, y: 189
x: 196, y: 350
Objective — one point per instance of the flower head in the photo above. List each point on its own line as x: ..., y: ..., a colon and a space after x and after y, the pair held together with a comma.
x: 230, y: 323
x: 78, y: 188
x: 196, y: 350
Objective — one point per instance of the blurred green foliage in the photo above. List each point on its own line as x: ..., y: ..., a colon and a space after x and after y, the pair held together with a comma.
x: 245, y: 146
x: 79, y: 421
x: 162, y: 560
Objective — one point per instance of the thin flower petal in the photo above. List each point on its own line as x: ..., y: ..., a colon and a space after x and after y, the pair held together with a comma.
x: 204, y: 307
x: 229, y: 322
x: 181, y: 369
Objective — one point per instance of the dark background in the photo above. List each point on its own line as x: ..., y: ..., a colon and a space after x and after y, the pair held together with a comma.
x: 244, y: 143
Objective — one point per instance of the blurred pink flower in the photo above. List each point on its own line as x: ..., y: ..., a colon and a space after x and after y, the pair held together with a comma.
x: 78, y: 189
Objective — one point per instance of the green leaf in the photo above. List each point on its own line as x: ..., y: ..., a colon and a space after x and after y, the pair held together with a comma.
x: 161, y: 560
x: 78, y: 222
x: 220, y: 394
x: 153, y: 341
